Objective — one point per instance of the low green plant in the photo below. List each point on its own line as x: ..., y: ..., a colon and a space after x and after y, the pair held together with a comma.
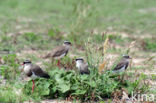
x: 68, y: 83
x: 64, y: 84
x: 153, y: 77
x: 6, y: 43
x: 11, y: 93
x: 137, y: 85
x: 9, y: 70
x: 31, y: 37
x: 55, y: 34
x: 32, y: 41
x: 150, y: 44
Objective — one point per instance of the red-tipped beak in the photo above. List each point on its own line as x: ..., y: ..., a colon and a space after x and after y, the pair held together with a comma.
x: 22, y: 64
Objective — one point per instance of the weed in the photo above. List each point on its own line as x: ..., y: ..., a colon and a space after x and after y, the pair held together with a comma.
x: 55, y: 34
x: 11, y: 93
x: 9, y: 70
x: 150, y: 45
x: 31, y: 37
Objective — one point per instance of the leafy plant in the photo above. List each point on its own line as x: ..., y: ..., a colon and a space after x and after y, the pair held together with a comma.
x: 11, y: 93
x: 55, y: 34
x: 31, y: 37
x: 9, y: 70
x: 150, y: 44
x: 64, y: 84
x: 68, y: 83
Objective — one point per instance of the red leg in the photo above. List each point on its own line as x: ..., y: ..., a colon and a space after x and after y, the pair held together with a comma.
x: 33, y: 86
x: 58, y: 63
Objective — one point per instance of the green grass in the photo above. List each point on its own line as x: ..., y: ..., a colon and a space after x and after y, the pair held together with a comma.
x: 150, y: 44
x: 120, y: 15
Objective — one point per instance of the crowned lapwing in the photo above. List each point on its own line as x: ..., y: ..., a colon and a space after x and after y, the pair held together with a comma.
x: 59, y: 52
x: 33, y: 71
x: 82, y: 66
x: 123, y: 64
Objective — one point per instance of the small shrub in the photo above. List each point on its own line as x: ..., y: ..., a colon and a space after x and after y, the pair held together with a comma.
x: 11, y: 93
x: 9, y: 70
x: 64, y: 84
x: 150, y: 44
x: 31, y: 37
x: 55, y: 34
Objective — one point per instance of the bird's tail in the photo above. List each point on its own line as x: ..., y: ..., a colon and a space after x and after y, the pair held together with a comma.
x: 46, y: 75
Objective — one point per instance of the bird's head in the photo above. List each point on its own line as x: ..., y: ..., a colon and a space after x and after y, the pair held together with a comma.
x: 125, y: 56
x: 26, y: 62
x: 79, y: 62
x: 67, y: 43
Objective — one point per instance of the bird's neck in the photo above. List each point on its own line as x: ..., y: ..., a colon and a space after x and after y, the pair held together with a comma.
x: 67, y: 46
x: 128, y: 60
x: 27, y: 67
x: 79, y: 64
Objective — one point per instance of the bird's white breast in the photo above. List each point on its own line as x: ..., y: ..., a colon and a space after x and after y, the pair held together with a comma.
x: 78, y: 64
x: 27, y: 68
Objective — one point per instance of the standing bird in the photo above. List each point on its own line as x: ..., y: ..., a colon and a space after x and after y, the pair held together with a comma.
x: 33, y: 71
x: 123, y: 64
x: 59, y: 52
x: 82, y: 66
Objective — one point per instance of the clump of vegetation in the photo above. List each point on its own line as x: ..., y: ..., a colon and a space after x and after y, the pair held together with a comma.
x: 68, y: 83
x: 31, y: 37
x: 149, y: 44
x: 65, y: 84
x: 55, y: 34
x: 11, y: 93
x: 9, y: 69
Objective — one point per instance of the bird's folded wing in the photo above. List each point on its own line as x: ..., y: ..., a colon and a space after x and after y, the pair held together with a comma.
x: 59, y: 51
x: 120, y: 65
x: 37, y: 70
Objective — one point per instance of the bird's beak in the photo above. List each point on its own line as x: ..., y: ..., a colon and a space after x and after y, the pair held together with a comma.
x: 22, y: 64
x: 130, y: 58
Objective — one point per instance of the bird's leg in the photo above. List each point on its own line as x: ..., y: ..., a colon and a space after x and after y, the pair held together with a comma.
x: 33, y: 86
x: 122, y: 79
x: 58, y: 63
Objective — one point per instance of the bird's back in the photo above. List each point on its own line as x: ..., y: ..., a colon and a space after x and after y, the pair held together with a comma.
x: 57, y: 52
x: 39, y: 72
x: 84, y: 69
x: 123, y: 63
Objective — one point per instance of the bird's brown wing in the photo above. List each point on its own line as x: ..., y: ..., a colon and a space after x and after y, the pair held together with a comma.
x: 85, y: 69
x: 121, y: 64
x: 39, y: 72
x: 59, y: 51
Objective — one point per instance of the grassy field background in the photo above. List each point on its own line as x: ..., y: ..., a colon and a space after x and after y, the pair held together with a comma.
x: 30, y: 29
